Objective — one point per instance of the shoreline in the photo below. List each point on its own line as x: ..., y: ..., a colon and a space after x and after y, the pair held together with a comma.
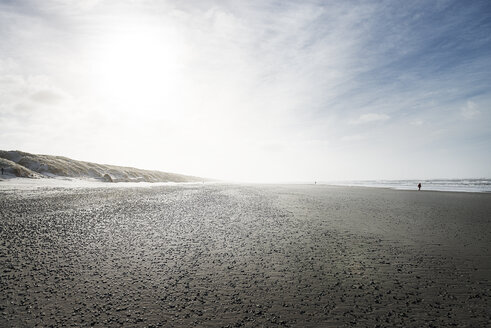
x: 360, y: 186
x: 13, y: 183
x: 422, y: 190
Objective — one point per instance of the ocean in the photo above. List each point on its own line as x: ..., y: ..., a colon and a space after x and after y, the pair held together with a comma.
x: 457, y: 185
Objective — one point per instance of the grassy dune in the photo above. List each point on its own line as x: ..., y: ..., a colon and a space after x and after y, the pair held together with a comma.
x: 21, y: 164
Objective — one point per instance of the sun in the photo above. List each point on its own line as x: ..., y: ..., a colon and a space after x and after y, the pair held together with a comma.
x: 137, y: 66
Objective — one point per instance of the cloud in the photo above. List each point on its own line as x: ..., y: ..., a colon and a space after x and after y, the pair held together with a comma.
x: 469, y: 111
x: 81, y: 5
x: 272, y: 146
x: 7, y: 65
x: 23, y: 94
x: 47, y: 97
x: 298, y: 80
x: 24, y: 108
x: 355, y: 137
x: 417, y: 122
x: 370, y: 117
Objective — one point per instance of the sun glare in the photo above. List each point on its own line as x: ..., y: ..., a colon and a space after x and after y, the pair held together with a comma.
x: 137, y: 66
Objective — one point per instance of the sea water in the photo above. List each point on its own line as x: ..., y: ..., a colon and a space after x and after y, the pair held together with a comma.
x: 459, y: 185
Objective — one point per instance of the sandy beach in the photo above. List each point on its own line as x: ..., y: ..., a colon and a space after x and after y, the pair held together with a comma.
x: 217, y: 255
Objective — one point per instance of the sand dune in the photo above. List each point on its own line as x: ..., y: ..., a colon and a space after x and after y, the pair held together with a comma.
x: 21, y: 164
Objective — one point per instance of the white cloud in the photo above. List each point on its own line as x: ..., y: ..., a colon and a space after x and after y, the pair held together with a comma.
x: 354, y: 137
x: 47, y: 97
x: 20, y: 92
x: 417, y: 122
x: 469, y: 111
x: 370, y: 117
x: 7, y: 65
x: 244, y: 86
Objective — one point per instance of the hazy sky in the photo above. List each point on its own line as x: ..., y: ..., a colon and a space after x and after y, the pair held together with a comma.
x: 252, y: 90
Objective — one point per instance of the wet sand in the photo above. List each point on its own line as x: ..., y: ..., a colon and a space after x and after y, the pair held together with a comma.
x: 244, y: 255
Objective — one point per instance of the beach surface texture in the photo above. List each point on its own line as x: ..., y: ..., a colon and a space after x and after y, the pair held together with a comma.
x: 218, y: 255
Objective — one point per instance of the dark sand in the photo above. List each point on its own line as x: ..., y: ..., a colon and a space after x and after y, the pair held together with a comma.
x: 230, y: 255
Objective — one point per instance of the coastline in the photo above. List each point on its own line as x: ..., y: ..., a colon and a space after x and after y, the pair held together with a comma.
x: 72, y: 182
x: 394, y: 185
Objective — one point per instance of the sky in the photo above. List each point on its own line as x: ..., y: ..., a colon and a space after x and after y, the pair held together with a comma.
x: 256, y: 91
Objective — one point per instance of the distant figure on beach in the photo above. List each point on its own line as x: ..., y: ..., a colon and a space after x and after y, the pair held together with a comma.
x: 2, y: 170
x: 315, y: 182
x: 419, y: 186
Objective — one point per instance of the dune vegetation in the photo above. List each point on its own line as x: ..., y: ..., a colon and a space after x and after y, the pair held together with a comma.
x: 21, y: 164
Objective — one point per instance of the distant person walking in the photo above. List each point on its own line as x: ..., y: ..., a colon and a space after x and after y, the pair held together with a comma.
x: 419, y: 186
x: 2, y: 170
